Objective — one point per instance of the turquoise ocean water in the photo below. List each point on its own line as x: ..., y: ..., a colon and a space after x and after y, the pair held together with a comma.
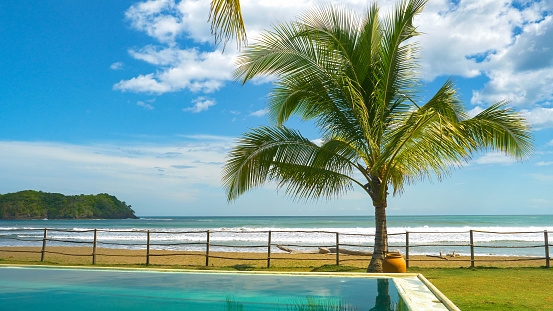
x: 252, y: 231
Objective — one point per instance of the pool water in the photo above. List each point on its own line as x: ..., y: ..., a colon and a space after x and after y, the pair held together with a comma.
x: 97, y: 289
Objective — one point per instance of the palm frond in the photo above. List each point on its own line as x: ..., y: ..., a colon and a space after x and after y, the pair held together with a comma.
x: 439, y: 136
x: 226, y: 21
x: 311, y: 81
x: 278, y: 154
x: 500, y: 128
x: 397, y: 70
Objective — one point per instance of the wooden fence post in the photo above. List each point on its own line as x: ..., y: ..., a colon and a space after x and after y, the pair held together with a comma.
x: 148, y: 249
x: 407, y: 249
x: 546, y: 238
x: 207, y: 249
x: 94, y: 246
x: 337, y: 248
x: 43, y: 245
x: 471, y: 249
x: 269, y: 250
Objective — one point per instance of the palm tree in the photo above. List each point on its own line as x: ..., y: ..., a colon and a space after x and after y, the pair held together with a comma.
x: 356, y: 78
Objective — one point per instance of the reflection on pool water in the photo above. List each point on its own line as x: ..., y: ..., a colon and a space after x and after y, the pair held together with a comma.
x: 99, y: 289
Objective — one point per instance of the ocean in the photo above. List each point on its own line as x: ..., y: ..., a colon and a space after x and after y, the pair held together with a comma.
x: 427, y: 234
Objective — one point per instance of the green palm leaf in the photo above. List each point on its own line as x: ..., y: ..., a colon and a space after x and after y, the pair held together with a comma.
x: 284, y: 156
x: 226, y: 21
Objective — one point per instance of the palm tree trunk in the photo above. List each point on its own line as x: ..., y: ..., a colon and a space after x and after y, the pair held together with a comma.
x: 380, y: 239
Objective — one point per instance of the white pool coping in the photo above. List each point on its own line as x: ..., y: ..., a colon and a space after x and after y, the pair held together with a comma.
x: 417, y: 292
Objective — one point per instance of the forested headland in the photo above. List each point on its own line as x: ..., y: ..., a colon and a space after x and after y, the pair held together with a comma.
x: 30, y: 204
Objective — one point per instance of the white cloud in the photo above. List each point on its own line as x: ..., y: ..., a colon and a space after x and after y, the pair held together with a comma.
x: 539, y: 117
x: 174, y: 172
x: 179, y: 70
x: 142, y: 83
x: 495, y: 158
x: 157, y: 18
x: 144, y: 105
x: 116, y: 66
x: 454, y: 33
x: 507, y: 42
x: 201, y: 104
x: 521, y: 73
x: 544, y: 163
x: 318, y: 141
x: 473, y: 112
x: 258, y: 113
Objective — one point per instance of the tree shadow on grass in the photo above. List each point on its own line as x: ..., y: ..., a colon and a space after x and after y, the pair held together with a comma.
x: 243, y: 267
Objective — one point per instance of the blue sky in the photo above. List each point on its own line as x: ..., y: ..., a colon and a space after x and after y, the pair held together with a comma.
x: 133, y: 98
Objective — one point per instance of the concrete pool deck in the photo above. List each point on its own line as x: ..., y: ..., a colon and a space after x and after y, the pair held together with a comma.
x: 417, y: 292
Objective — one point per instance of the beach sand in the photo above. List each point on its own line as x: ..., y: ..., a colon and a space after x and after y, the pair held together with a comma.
x: 240, y: 261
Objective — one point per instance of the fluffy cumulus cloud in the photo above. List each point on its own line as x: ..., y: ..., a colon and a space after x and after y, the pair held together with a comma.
x: 522, y: 73
x: 505, y: 41
x: 175, y: 25
x: 456, y: 34
x: 258, y: 113
x: 179, y: 69
x: 508, y: 42
x: 539, y: 117
x: 158, y: 18
x: 200, y: 104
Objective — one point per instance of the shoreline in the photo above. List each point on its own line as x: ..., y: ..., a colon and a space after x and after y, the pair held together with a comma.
x: 238, y: 260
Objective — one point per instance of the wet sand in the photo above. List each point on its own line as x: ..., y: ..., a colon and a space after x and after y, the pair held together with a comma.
x: 186, y: 259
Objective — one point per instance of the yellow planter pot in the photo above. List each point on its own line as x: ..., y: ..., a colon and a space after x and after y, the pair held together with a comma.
x: 394, y: 263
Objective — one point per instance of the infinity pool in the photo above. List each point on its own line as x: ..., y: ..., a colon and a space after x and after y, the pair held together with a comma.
x: 32, y: 288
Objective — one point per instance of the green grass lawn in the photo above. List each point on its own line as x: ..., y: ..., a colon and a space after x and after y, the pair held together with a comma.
x: 494, y: 288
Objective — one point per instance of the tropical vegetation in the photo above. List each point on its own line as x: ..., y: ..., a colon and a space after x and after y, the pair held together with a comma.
x: 356, y: 77
x: 31, y: 204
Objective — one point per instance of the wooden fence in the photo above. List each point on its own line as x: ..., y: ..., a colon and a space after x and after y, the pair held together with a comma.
x: 472, y: 244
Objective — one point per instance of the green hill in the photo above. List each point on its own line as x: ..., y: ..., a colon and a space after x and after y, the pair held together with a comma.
x: 31, y: 204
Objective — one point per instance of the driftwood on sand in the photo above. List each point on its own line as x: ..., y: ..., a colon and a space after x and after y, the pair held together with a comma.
x: 441, y: 256
x: 293, y: 251
x: 323, y: 250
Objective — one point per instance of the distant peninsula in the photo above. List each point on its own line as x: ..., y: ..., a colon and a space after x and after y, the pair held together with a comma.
x: 30, y: 204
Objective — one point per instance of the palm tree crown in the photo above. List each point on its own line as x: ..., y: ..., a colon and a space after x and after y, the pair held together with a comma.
x: 356, y: 78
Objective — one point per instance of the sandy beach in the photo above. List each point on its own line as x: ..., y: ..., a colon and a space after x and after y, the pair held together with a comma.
x: 109, y: 256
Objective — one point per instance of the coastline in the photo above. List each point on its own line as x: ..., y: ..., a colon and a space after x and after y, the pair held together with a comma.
x: 242, y: 260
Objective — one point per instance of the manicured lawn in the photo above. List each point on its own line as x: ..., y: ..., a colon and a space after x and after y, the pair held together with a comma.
x: 494, y: 288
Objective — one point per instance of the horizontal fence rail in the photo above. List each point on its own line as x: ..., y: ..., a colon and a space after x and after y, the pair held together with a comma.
x: 339, y: 248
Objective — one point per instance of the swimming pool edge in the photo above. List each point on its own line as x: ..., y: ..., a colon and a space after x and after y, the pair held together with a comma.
x: 417, y: 297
